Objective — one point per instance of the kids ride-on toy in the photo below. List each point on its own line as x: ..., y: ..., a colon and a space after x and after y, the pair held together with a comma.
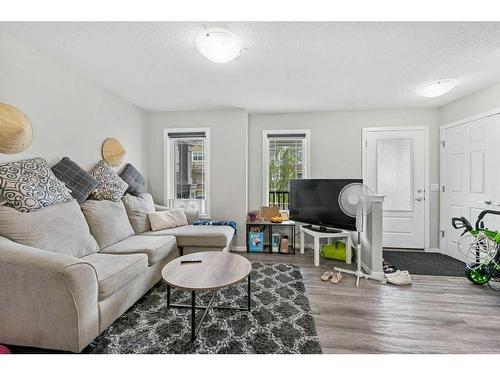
x: 480, y: 248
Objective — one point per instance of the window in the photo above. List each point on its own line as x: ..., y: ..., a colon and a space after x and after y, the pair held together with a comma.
x: 187, y: 169
x: 285, y: 157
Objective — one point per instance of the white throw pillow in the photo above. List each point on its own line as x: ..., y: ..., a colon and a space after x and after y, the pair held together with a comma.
x: 167, y: 219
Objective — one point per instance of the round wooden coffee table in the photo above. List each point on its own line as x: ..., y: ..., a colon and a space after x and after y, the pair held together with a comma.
x: 212, y: 270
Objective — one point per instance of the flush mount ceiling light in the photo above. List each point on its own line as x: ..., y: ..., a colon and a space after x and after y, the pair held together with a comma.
x: 438, y: 88
x: 218, y: 45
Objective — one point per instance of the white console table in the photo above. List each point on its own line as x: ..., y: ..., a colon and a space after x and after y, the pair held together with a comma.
x: 344, y: 235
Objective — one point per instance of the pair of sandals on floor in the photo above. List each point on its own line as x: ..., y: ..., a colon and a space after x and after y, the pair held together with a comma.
x: 334, y: 277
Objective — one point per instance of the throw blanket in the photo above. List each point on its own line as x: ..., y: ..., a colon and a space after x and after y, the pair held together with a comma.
x: 229, y: 223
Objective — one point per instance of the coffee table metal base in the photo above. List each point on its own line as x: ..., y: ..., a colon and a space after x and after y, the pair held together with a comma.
x: 195, y: 330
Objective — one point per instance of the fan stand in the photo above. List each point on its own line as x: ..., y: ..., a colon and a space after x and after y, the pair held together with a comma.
x: 359, y: 272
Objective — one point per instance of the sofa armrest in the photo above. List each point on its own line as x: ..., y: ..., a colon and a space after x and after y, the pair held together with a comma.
x: 47, y: 300
x: 191, y: 215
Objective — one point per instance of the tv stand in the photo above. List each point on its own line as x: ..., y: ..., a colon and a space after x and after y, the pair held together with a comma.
x: 318, y: 232
x: 322, y: 229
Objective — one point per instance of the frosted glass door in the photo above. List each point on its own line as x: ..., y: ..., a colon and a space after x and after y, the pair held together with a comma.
x: 394, y: 157
x: 394, y: 166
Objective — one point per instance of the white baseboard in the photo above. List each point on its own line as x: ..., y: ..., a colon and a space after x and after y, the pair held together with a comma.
x: 434, y: 250
x: 239, y: 248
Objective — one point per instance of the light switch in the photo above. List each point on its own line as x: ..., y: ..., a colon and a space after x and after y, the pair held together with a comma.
x: 435, y: 187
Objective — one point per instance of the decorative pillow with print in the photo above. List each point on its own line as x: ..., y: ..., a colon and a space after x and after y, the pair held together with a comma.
x: 111, y: 187
x: 30, y: 184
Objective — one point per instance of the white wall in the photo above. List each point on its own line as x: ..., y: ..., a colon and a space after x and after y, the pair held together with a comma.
x: 228, y: 150
x: 70, y: 115
x: 477, y: 102
x: 336, y: 146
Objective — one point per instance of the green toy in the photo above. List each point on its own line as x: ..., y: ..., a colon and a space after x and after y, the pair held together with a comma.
x: 334, y: 251
x: 480, y: 247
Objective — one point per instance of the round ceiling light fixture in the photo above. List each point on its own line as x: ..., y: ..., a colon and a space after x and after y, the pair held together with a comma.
x: 219, y: 45
x: 438, y: 88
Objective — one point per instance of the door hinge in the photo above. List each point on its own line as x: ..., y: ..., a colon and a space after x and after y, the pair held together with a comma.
x: 443, y: 143
x: 366, y: 143
x: 442, y: 232
x: 443, y: 188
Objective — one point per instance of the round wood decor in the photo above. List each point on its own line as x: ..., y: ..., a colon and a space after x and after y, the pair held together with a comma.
x: 16, y: 133
x: 113, y: 152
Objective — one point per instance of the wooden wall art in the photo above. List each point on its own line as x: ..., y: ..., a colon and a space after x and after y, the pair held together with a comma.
x: 16, y: 133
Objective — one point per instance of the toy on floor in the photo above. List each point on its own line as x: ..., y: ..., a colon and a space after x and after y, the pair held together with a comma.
x: 480, y: 248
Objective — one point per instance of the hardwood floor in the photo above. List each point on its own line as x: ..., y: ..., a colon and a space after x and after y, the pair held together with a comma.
x: 436, y: 314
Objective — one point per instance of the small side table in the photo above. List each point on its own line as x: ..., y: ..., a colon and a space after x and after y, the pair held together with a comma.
x: 269, y: 227
x: 343, y: 235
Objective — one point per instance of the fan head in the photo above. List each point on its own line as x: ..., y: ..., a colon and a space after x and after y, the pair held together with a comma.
x: 356, y: 199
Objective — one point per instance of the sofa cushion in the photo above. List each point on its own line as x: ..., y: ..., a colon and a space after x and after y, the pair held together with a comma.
x: 108, y: 221
x: 156, y: 248
x: 29, y: 185
x: 138, y: 209
x: 198, y: 235
x: 115, y: 271
x: 134, y: 179
x: 191, y: 215
x: 111, y: 186
x: 167, y: 219
x: 78, y: 180
x: 60, y: 228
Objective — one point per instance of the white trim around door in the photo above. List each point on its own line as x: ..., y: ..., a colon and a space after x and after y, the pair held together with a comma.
x: 425, y: 130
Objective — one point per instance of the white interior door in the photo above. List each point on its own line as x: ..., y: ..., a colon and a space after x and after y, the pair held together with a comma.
x: 469, y: 183
x: 394, y: 165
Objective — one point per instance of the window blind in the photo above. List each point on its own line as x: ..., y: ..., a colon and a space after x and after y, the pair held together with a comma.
x: 287, y: 135
x: 187, y: 135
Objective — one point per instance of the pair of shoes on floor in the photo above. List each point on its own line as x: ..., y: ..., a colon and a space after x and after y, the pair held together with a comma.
x: 398, y: 278
x: 388, y: 268
x: 332, y: 276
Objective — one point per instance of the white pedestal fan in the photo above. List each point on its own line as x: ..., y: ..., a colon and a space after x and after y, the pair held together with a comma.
x: 355, y: 201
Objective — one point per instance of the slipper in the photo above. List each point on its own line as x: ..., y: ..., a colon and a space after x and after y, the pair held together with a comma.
x: 336, y: 278
x: 326, y: 276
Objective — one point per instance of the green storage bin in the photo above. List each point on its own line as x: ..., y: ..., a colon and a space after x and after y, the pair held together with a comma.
x: 334, y: 251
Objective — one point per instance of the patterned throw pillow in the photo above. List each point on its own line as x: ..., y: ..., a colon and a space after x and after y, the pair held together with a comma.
x: 28, y: 185
x: 111, y: 187
x: 79, y: 181
x: 134, y: 180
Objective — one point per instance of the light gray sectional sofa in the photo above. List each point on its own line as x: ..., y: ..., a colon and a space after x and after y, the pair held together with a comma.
x: 68, y: 271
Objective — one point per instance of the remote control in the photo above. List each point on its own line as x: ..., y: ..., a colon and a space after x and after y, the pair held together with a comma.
x: 191, y: 261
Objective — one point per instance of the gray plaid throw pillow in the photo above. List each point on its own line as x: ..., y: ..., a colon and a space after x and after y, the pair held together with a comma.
x: 79, y: 181
x: 134, y: 180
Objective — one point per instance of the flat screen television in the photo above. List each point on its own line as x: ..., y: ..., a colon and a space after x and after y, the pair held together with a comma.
x: 316, y: 201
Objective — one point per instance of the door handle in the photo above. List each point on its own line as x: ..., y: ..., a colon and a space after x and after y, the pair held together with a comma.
x: 488, y: 202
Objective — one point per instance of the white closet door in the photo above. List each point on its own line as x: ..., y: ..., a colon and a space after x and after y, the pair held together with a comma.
x: 469, y: 177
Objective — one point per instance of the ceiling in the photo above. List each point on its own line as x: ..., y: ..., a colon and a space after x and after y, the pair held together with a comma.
x: 285, y: 66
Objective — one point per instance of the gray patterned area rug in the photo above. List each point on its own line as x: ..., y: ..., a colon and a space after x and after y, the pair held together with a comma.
x: 280, y: 320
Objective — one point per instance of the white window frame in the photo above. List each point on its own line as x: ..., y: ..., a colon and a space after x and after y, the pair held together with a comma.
x: 265, y: 156
x: 168, y: 171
